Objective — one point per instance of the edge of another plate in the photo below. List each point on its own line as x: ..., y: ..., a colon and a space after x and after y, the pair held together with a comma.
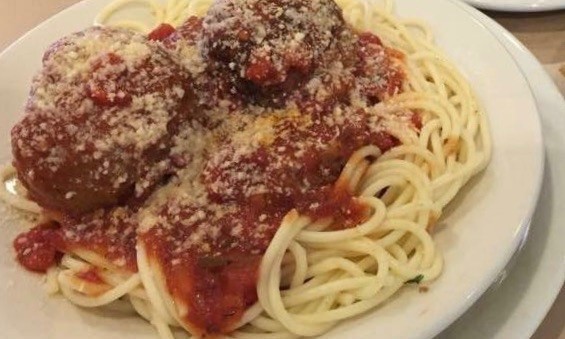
x: 518, y: 5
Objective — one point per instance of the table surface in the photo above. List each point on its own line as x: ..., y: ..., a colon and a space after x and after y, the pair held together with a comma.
x: 542, y: 33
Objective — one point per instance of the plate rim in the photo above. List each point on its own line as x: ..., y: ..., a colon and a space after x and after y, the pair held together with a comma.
x: 527, y: 59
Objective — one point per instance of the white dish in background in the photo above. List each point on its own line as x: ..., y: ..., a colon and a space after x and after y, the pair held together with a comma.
x: 517, y: 304
x: 518, y: 5
x: 488, y: 222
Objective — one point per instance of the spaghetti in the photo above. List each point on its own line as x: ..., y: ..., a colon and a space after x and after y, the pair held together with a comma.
x: 317, y: 266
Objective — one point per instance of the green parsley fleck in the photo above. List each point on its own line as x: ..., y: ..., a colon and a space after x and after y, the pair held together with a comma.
x: 418, y: 279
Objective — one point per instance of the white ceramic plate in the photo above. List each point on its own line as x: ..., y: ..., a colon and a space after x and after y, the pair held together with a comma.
x: 518, y: 5
x: 489, y: 221
x: 516, y: 305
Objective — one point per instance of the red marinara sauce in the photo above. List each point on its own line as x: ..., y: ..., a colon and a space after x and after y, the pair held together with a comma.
x: 217, y: 286
x: 209, y: 250
x: 210, y: 260
x: 161, y: 32
x: 39, y: 249
x: 111, y: 234
x: 91, y: 276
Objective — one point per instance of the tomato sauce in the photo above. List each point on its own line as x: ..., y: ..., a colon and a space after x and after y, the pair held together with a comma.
x: 39, y: 248
x: 210, y: 251
x: 215, y: 291
x: 110, y: 234
x: 162, y: 32
x: 214, y: 276
x: 91, y: 276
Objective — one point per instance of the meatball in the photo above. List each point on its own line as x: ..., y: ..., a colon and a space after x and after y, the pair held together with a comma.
x: 268, y: 48
x: 99, y: 121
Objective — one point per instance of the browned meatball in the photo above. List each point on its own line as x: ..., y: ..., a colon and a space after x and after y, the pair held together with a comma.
x: 99, y: 121
x: 270, y: 47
